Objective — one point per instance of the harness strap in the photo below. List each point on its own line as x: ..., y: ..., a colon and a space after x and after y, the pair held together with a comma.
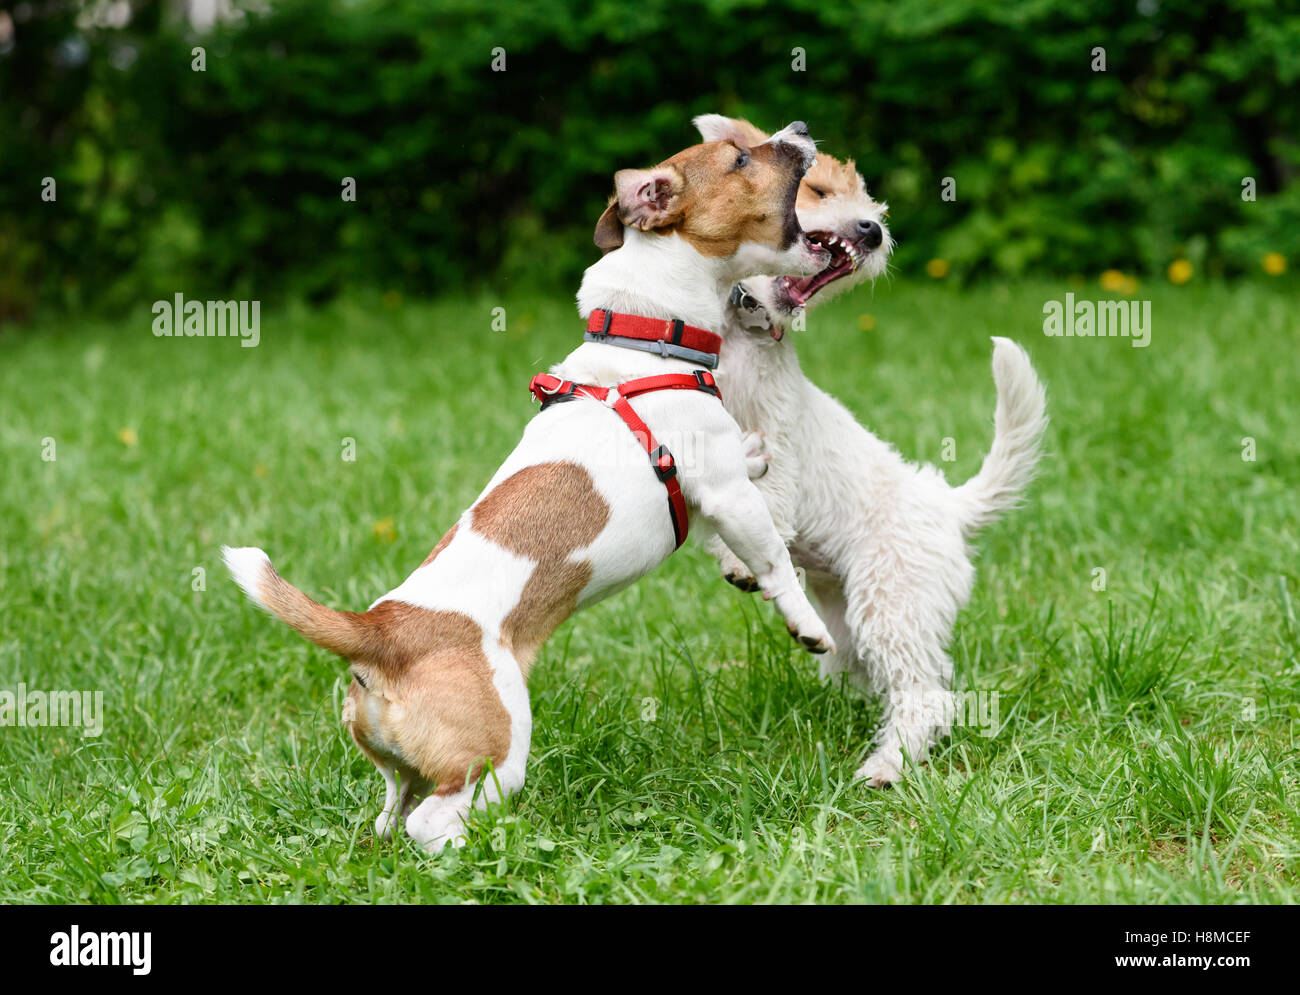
x: 664, y: 337
x: 550, y: 389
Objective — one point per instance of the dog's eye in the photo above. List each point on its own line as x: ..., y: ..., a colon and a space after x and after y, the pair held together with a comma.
x: 819, y: 192
x: 742, y: 160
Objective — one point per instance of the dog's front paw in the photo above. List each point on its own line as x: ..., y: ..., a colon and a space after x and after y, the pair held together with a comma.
x: 737, y: 574
x: 813, y: 638
x: 757, y: 459
x: 742, y: 579
x: 878, y: 771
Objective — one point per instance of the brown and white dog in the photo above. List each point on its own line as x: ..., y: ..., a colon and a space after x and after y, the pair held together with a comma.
x: 575, y: 513
x: 885, y: 543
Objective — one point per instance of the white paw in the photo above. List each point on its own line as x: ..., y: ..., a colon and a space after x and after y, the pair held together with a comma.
x: 737, y: 574
x: 878, y: 771
x: 757, y: 459
x: 384, y: 824
x: 436, y: 823
x: 812, y: 635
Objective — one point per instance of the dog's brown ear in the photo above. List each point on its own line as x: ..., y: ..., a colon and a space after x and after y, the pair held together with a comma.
x: 719, y: 128
x: 609, y: 229
x: 649, y: 198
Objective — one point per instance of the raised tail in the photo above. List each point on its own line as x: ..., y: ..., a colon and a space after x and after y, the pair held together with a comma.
x: 344, y: 633
x: 1018, y: 425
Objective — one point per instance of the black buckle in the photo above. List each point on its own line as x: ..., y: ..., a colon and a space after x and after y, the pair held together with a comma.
x: 676, y: 337
x: 560, y: 396
x: 706, y: 383
x: 663, y: 472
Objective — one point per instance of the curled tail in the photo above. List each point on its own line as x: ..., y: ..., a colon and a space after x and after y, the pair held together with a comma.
x: 344, y: 633
x: 1018, y: 426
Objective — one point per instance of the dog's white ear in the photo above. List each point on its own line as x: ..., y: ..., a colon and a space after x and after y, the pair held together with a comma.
x: 648, y: 198
x: 719, y: 128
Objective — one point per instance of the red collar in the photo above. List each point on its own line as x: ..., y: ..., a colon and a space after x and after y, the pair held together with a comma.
x: 665, y: 337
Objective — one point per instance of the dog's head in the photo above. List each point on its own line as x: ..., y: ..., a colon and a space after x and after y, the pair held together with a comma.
x: 836, y: 211
x: 732, y: 200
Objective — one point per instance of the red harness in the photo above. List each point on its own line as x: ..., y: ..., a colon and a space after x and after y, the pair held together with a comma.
x: 550, y: 390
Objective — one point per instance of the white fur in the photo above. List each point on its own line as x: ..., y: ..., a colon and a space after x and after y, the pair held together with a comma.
x: 248, y: 566
x: 884, y: 541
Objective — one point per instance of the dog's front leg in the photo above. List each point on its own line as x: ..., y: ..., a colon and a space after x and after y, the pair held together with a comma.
x: 733, y: 569
x: 774, y: 488
x: 733, y: 506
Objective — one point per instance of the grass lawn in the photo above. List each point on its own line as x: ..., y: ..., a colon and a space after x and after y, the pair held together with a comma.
x: 684, y: 750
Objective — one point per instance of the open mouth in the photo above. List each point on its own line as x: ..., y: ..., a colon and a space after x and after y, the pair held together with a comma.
x: 845, y: 259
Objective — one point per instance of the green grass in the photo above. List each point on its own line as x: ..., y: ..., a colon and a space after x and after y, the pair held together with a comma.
x: 684, y: 751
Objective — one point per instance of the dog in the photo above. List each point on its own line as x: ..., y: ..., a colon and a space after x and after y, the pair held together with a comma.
x: 885, y: 543
x: 439, y: 698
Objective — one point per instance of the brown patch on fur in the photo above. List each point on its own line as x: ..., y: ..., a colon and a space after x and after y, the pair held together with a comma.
x: 714, y: 205
x: 543, y: 512
x: 443, y: 543
x: 438, y: 717
x: 829, y: 178
x: 609, y: 229
x: 549, y: 597
x: 428, y: 708
x: 723, y: 207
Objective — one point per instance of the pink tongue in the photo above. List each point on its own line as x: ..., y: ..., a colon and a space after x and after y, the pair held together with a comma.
x: 800, y: 289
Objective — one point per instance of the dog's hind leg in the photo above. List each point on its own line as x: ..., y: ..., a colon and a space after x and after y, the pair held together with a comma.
x: 402, y: 789
x: 918, y: 703
x: 842, y: 665
x: 440, y: 820
x: 898, y: 643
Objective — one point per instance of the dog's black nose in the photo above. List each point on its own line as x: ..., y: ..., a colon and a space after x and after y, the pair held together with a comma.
x: 870, y: 234
x: 799, y: 128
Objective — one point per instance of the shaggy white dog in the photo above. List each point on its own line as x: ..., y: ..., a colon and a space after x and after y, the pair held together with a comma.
x: 884, y: 542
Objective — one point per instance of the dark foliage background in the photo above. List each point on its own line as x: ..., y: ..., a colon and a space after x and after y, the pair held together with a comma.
x: 228, y: 181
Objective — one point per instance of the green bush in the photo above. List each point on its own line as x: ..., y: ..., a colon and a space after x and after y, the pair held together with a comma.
x: 229, y: 180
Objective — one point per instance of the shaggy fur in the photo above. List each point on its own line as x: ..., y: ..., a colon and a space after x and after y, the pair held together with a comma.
x: 884, y: 542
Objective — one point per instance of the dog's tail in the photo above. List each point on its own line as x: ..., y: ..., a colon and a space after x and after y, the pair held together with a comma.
x: 344, y: 633
x: 1018, y: 426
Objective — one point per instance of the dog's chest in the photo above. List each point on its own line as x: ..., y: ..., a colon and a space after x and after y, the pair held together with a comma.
x: 756, y: 380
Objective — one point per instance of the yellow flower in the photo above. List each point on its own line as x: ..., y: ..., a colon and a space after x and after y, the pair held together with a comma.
x: 937, y: 268
x: 384, y: 530
x: 127, y: 436
x: 259, y: 469
x: 1180, y: 271
x: 866, y: 322
x: 1274, y: 264
x: 1113, y: 280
